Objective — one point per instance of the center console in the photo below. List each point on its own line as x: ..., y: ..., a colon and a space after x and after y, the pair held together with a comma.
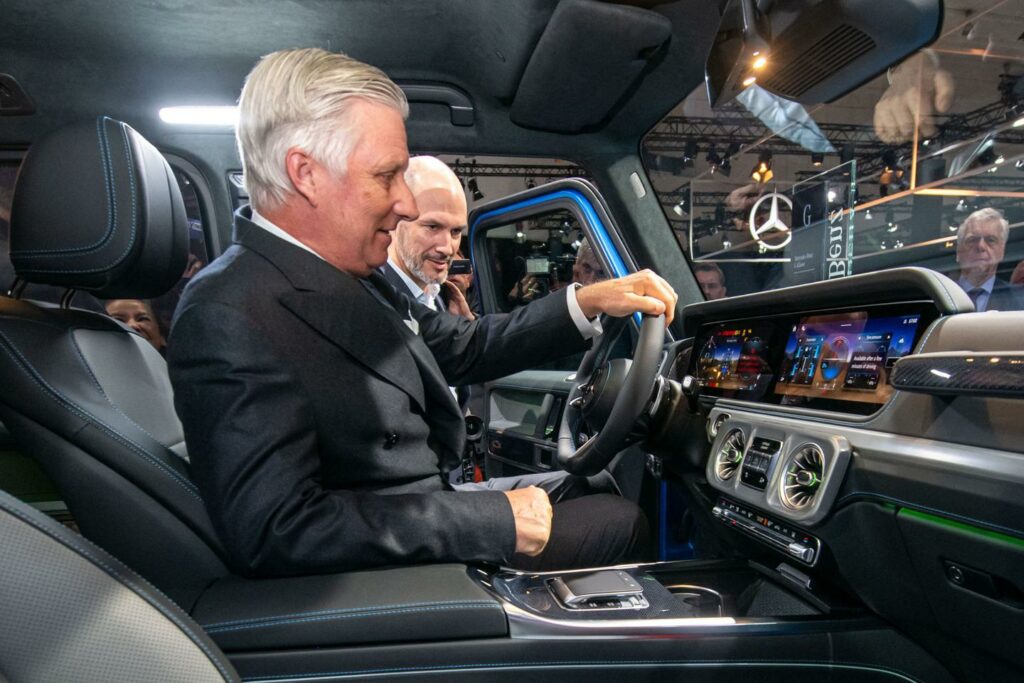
x: 665, y: 598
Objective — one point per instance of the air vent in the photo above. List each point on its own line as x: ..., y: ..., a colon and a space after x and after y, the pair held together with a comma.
x: 839, y: 48
x: 729, y: 456
x: 712, y: 426
x: 803, y: 476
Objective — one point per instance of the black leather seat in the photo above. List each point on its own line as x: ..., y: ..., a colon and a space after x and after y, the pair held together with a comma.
x: 71, y: 612
x: 96, y: 207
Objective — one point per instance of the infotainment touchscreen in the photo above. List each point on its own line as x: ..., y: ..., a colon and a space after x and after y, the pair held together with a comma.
x: 734, y: 361
x: 844, y: 356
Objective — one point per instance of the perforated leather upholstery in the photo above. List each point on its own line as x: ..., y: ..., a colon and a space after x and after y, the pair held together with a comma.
x: 71, y: 612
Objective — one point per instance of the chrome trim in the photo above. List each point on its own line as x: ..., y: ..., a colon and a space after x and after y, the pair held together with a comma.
x: 526, y: 625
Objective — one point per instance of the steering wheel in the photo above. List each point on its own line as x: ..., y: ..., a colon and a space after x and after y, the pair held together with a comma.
x: 611, y: 396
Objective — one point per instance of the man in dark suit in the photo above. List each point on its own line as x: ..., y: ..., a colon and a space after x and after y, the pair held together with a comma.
x: 980, y: 247
x: 314, y: 397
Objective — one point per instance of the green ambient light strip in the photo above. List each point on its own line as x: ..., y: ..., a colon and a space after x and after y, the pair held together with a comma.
x: 994, y: 535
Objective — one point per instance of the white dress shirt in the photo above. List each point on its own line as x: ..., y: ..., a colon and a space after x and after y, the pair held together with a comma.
x: 981, y: 302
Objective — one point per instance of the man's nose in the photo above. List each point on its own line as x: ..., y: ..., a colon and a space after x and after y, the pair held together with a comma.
x: 404, y: 202
x: 444, y: 244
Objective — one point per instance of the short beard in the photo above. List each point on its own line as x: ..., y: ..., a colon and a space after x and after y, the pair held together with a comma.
x: 415, y: 266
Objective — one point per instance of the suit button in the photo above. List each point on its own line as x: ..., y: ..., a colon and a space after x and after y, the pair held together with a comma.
x: 391, y: 440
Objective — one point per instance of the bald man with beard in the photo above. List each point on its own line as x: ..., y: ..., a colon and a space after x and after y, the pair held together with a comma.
x: 420, y: 254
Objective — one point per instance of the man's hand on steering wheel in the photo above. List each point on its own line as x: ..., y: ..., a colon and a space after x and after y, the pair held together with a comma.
x: 615, y: 395
x: 643, y: 292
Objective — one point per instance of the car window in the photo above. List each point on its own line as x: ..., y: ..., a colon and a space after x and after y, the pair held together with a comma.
x: 921, y: 166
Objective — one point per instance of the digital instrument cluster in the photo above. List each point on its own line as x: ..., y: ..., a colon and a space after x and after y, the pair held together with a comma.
x: 837, y: 361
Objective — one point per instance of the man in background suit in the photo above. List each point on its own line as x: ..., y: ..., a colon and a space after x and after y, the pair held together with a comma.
x: 980, y: 247
x: 422, y: 249
x: 314, y: 397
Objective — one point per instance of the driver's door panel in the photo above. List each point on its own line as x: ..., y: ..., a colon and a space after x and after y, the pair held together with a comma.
x: 523, y: 413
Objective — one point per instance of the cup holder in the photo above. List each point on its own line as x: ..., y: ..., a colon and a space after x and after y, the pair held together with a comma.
x: 698, y: 600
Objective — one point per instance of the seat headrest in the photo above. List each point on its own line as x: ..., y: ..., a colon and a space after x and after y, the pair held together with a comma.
x: 96, y: 207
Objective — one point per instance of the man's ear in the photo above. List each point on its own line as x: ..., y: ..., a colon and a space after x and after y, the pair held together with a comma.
x: 305, y: 174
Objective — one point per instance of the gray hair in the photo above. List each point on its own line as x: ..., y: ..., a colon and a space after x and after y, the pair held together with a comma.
x: 301, y: 98
x: 984, y: 216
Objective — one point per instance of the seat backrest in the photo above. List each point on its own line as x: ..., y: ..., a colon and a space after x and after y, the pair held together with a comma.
x: 96, y: 207
x: 71, y: 612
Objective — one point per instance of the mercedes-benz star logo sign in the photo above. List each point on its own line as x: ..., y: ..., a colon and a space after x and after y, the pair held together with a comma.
x: 773, y: 225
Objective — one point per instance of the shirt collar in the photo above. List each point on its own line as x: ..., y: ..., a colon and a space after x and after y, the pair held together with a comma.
x: 276, y: 231
x: 988, y: 285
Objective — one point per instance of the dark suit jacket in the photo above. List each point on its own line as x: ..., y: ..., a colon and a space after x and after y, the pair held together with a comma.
x: 320, y: 428
x: 1005, y: 297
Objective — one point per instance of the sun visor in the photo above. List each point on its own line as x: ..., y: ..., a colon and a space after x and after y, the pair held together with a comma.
x: 590, y: 55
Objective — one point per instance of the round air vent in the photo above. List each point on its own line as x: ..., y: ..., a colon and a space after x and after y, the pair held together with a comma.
x: 713, y: 426
x: 802, y: 479
x: 729, y: 456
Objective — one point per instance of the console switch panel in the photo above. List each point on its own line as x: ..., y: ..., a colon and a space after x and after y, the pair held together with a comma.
x: 758, y: 461
x: 793, y: 542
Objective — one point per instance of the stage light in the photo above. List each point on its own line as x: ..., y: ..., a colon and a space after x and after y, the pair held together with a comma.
x: 474, y: 189
x: 690, y: 152
x: 762, y: 172
x: 817, y: 159
x: 713, y: 158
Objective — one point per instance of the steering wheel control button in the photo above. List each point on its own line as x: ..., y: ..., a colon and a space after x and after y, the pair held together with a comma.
x: 758, y: 461
x: 391, y: 440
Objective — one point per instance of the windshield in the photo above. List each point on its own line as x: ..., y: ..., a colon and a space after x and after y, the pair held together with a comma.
x: 921, y: 166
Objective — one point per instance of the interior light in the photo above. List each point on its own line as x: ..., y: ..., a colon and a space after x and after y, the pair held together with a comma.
x: 200, y: 116
x: 749, y: 80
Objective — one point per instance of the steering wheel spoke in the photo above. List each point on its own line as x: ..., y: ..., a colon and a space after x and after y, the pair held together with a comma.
x: 611, y: 396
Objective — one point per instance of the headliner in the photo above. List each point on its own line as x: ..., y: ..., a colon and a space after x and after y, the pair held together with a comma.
x: 127, y: 58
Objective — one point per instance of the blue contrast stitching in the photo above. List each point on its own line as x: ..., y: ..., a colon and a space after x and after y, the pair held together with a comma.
x: 127, y: 580
x: 189, y: 487
x: 131, y: 237
x: 328, y: 615
x: 614, y: 663
x: 942, y: 513
x: 101, y: 134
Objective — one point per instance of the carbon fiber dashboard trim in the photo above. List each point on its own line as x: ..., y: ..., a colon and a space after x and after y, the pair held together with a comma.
x: 980, y: 374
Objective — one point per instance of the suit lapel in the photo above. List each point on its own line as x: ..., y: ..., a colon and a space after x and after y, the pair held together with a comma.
x: 341, y: 309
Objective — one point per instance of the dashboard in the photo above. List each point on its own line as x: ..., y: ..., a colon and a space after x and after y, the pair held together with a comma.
x: 838, y: 360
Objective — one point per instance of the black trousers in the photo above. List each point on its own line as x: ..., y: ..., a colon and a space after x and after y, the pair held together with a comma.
x: 590, y: 527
